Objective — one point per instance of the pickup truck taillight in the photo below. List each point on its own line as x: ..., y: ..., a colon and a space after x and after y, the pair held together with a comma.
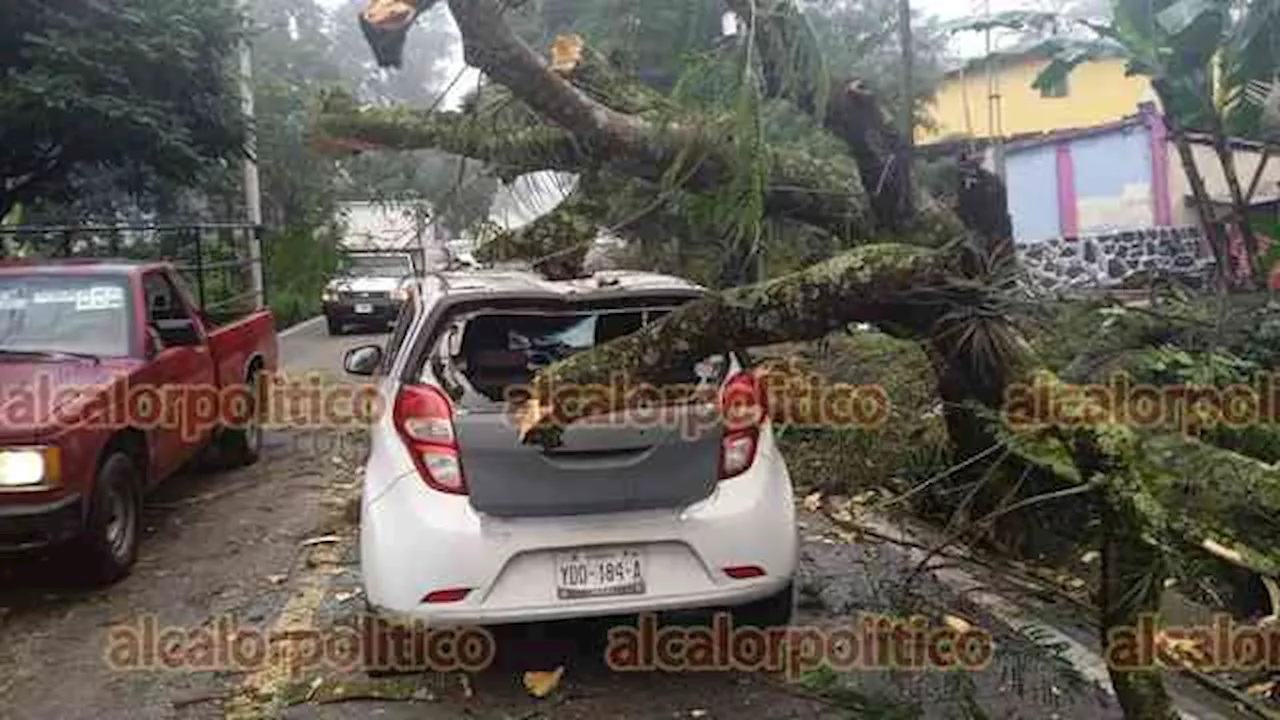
x: 423, y: 416
x: 743, y: 408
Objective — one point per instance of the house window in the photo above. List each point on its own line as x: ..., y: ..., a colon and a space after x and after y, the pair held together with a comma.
x: 1056, y: 89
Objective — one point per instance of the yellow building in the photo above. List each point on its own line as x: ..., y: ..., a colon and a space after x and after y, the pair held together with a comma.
x: 1096, y: 92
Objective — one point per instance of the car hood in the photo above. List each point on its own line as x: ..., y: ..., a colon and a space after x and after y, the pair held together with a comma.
x: 365, y: 284
x: 34, y: 393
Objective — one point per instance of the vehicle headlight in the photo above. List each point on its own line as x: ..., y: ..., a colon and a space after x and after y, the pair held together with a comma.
x: 399, y: 294
x: 328, y: 295
x: 24, y: 467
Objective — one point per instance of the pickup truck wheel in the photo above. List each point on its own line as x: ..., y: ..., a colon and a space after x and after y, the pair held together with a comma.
x: 109, y: 545
x: 335, y: 327
x: 242, y: 446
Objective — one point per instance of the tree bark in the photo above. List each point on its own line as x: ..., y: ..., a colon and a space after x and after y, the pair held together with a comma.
x: 901, y: 287
x: 1214, y: 233
x: 1132, y: 586
x: 1239, y: 203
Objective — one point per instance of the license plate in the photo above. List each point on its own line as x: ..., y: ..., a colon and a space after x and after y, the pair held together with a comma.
x: 364, y: 308
x: 599, y: 573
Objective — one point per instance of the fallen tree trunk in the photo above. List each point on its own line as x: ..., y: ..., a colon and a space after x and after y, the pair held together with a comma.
x: 937, y: 284
x: 906, y: 290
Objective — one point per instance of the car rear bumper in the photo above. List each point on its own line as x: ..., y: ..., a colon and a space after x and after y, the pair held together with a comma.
x: 33, y: 527
x: 415, y: 541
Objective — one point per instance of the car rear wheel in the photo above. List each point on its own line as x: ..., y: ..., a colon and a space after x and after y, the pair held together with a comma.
x: 109, y: 545
x: 775, y: 611
x: 242, y: 445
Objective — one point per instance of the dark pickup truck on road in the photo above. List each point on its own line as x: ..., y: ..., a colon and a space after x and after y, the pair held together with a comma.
x: 111, y: 380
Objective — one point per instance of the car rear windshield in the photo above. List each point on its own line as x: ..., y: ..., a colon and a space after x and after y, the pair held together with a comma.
x: 64, y: 313
x: 498, y: 353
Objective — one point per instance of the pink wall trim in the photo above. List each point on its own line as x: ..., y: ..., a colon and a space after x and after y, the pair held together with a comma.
x: 1159, y: 165
x: 1068, y: 213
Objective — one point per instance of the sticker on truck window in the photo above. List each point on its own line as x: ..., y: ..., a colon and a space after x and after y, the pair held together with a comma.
x: 98, y: 297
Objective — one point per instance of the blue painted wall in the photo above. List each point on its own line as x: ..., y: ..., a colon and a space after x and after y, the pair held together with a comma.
x: 1112, y: 185
x: 1113, y: 180
x: 1031, y: 176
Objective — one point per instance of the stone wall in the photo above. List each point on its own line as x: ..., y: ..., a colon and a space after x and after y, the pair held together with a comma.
x: 1115, y: 259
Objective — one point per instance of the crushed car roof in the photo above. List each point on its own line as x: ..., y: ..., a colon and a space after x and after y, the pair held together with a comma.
x: 523, y: 283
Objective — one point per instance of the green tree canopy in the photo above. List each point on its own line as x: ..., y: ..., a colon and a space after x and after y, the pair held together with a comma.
x: 143, y: 87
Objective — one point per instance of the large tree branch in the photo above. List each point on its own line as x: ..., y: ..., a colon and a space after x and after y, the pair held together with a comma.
x: 515, y: 149
x: 824, y: 192
x: 792, y: 65
x: 903, y: 288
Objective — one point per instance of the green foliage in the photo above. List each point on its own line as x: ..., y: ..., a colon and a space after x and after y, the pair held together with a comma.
x: 859, y: 39
x: 1171, y: 365
x: 1250, y: 53
x: 647, y: 40
x: 908, y: 448
x: 299, y: 263
x: 141, y: 86
x: 301, y: 51
x: 1175, y: 43
x: 1262, y: 343
x: 719, y: 84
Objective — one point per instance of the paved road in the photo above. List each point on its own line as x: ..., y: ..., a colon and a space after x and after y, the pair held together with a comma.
x: 272, y: 547
x: 216, y: 544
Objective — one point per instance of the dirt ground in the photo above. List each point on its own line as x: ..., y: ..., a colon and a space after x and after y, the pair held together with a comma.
x: 272, y: 547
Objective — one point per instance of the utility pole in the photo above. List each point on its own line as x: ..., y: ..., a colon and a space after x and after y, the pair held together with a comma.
x: 994, y: 130
x: 908, y: 101
x: 252, y: 187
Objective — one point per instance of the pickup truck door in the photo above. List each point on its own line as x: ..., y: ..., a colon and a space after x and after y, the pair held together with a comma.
x: 181, y: 368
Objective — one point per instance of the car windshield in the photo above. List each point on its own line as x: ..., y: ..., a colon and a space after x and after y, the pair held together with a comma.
x: 379, y: 267
x: 80, y: 314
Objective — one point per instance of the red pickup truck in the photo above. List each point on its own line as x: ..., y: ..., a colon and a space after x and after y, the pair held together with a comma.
x: 111, y: 380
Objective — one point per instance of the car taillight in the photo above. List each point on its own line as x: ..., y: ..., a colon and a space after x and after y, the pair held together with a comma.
x: 423, y: 416
x: 743, y: 409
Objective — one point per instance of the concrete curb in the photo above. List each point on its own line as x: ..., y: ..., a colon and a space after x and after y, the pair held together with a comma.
x: 299, y: 327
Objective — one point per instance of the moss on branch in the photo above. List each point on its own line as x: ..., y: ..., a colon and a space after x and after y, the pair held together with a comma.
x: 520, y: 148
x: 904, y: 287
x: 1214, y: 494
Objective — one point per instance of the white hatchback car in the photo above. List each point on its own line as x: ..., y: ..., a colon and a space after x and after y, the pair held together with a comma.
x: 461, y: 524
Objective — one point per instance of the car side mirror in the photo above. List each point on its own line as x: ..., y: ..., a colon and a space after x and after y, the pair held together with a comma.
x: 363, y: 360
